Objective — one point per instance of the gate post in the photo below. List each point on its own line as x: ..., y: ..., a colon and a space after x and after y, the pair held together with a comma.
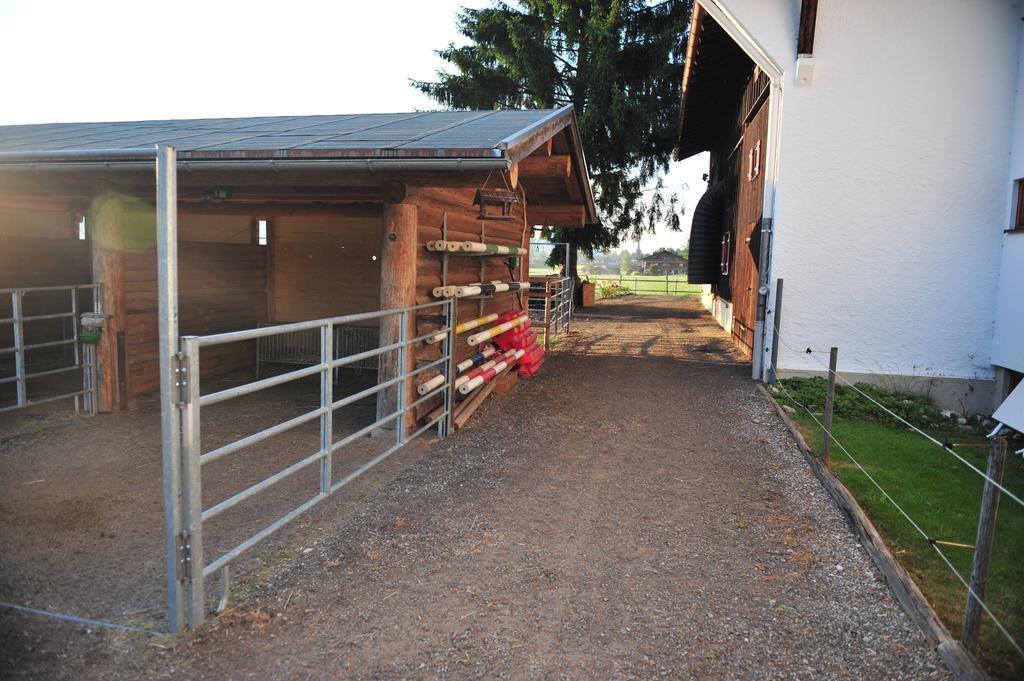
x: 192, y: 533
x: 170, y: 409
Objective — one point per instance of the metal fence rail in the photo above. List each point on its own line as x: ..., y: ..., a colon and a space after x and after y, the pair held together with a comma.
x: 551, y: 303
x: 640, y: 285
x: 84, y: 357
x: 193, y: 562
x: 303, y: 347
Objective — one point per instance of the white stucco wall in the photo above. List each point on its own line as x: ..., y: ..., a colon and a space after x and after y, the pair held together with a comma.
x: 1008, y: 341
x: 891, y: 195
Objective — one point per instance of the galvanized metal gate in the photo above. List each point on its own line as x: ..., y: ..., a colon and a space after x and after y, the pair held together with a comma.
x: 82, y: 356
x: 189, y: 566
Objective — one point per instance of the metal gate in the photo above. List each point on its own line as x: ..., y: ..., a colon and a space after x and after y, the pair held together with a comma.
x: 189, y: 567
x: 82, y: 356
x: 551, y: 305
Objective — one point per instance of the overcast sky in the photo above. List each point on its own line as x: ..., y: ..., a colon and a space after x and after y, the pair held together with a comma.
x: 105, y: 60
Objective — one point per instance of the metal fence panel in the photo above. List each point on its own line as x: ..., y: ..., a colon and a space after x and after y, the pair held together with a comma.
x: 325, y: 345
x: 83, y: 358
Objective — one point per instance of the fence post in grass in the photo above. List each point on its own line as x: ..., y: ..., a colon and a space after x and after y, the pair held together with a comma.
x: 830, y: 400
x: 983, y: 544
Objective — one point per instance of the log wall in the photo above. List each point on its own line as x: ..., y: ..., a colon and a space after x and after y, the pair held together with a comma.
x: 324, y: 266
x: 463, y: 225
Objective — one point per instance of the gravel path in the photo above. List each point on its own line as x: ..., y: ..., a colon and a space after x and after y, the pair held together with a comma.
x: 625, y: 514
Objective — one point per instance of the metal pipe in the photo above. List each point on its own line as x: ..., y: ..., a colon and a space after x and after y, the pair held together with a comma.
x: 236, y: 499
x: 37, y: 289
x: 170, y: 417
x: 192, y: 449
x: 372, y: 165
x: 260, y: 436
x: 252, y: 334
x: 32, y: 403
x: 326, y: 405
x: 246, y: 389
x: 19, y: 348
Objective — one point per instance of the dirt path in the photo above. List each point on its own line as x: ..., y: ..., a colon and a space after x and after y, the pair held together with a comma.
x: 636, y: 510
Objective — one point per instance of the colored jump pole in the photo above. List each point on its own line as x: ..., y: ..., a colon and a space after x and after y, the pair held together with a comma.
x: 464, y: 327
x: 478, y: 338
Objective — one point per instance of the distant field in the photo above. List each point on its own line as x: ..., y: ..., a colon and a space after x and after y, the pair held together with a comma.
x: 640, y: 284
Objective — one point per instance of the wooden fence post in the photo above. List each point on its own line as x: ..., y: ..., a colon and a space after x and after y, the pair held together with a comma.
x: 983, y: 544
x: 830, y: 401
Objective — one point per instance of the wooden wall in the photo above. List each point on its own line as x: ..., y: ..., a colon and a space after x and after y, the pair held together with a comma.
x: 749, y: 206
x: 738, y: 159
x: 222, y: 281
x: 324, y: 266
x: 37, y: 248
x: 463, y: 225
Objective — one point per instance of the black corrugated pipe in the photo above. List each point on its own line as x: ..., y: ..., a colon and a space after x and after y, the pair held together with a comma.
x: 706, y: 237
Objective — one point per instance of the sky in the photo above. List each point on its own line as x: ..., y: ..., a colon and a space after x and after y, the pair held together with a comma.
x: 109, y: 60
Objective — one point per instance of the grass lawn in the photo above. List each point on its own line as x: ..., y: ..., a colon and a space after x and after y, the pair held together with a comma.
x: 639, y: 284
x: 943, y: 496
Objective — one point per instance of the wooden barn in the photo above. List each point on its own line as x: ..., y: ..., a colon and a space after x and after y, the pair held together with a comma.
x: 726, y: 112
x: 279, y: 219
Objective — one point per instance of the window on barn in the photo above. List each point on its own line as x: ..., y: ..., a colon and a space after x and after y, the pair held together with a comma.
x: 78, y: 228
x: 726, y: 249
x: 1018, y: 217
x: 754, y: 162
x: 261, y: 232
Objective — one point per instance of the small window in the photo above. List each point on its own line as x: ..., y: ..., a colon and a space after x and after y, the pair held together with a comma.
x: 261, y: 232
x: 79, y: 230
x: 726, y: 250
x: 1018, y: 216
x: 754, y: 162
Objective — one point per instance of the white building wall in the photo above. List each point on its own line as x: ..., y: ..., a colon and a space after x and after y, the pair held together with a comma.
x: 1008, y: 342
x: 891, y: 195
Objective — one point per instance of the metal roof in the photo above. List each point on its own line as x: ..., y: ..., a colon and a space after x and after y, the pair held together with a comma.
x: 376, y: 135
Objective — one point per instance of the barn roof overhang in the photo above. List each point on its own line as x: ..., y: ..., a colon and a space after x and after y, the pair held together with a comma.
x: 716, y: 69
x: 305, y: 151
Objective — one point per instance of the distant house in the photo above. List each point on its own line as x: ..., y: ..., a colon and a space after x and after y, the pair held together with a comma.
x: 663, y: 261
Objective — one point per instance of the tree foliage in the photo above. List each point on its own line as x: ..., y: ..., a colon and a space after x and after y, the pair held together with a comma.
x: 625, y: 262
x: 618, y: 62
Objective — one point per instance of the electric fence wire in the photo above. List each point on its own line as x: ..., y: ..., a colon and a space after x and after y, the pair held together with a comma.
x: 931, y: 541
x: 902, y: 420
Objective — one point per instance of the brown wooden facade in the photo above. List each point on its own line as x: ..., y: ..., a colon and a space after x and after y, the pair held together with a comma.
x: 336, y: 244
x: 726, y: 112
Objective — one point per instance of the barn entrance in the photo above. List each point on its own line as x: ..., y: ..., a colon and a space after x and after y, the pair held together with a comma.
x: 282, y: 324
x: 728, y: 111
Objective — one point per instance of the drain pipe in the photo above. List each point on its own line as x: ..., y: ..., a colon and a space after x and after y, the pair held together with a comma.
x: 141, y: 159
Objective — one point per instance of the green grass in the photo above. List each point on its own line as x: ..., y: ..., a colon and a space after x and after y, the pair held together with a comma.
x: 639, y: 284
x: 943, y: 496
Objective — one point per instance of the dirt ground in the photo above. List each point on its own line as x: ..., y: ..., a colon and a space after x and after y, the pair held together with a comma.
x: 637, y: 510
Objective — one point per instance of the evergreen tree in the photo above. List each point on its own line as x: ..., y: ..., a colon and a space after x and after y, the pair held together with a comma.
x: 618, y: 62
x: 625, y: 263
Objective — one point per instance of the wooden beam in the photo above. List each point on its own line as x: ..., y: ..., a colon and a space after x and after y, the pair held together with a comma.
x: 397, y: 289
x: 808, y: 21
x: 106, y: 223
x: 546, y: 166
x: 274, y: 209
x: 544, y: 149
x: 556, y: 215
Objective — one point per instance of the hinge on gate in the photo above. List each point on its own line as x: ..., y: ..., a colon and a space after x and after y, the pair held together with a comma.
x: 181, y: 378
x: 184, y: 566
